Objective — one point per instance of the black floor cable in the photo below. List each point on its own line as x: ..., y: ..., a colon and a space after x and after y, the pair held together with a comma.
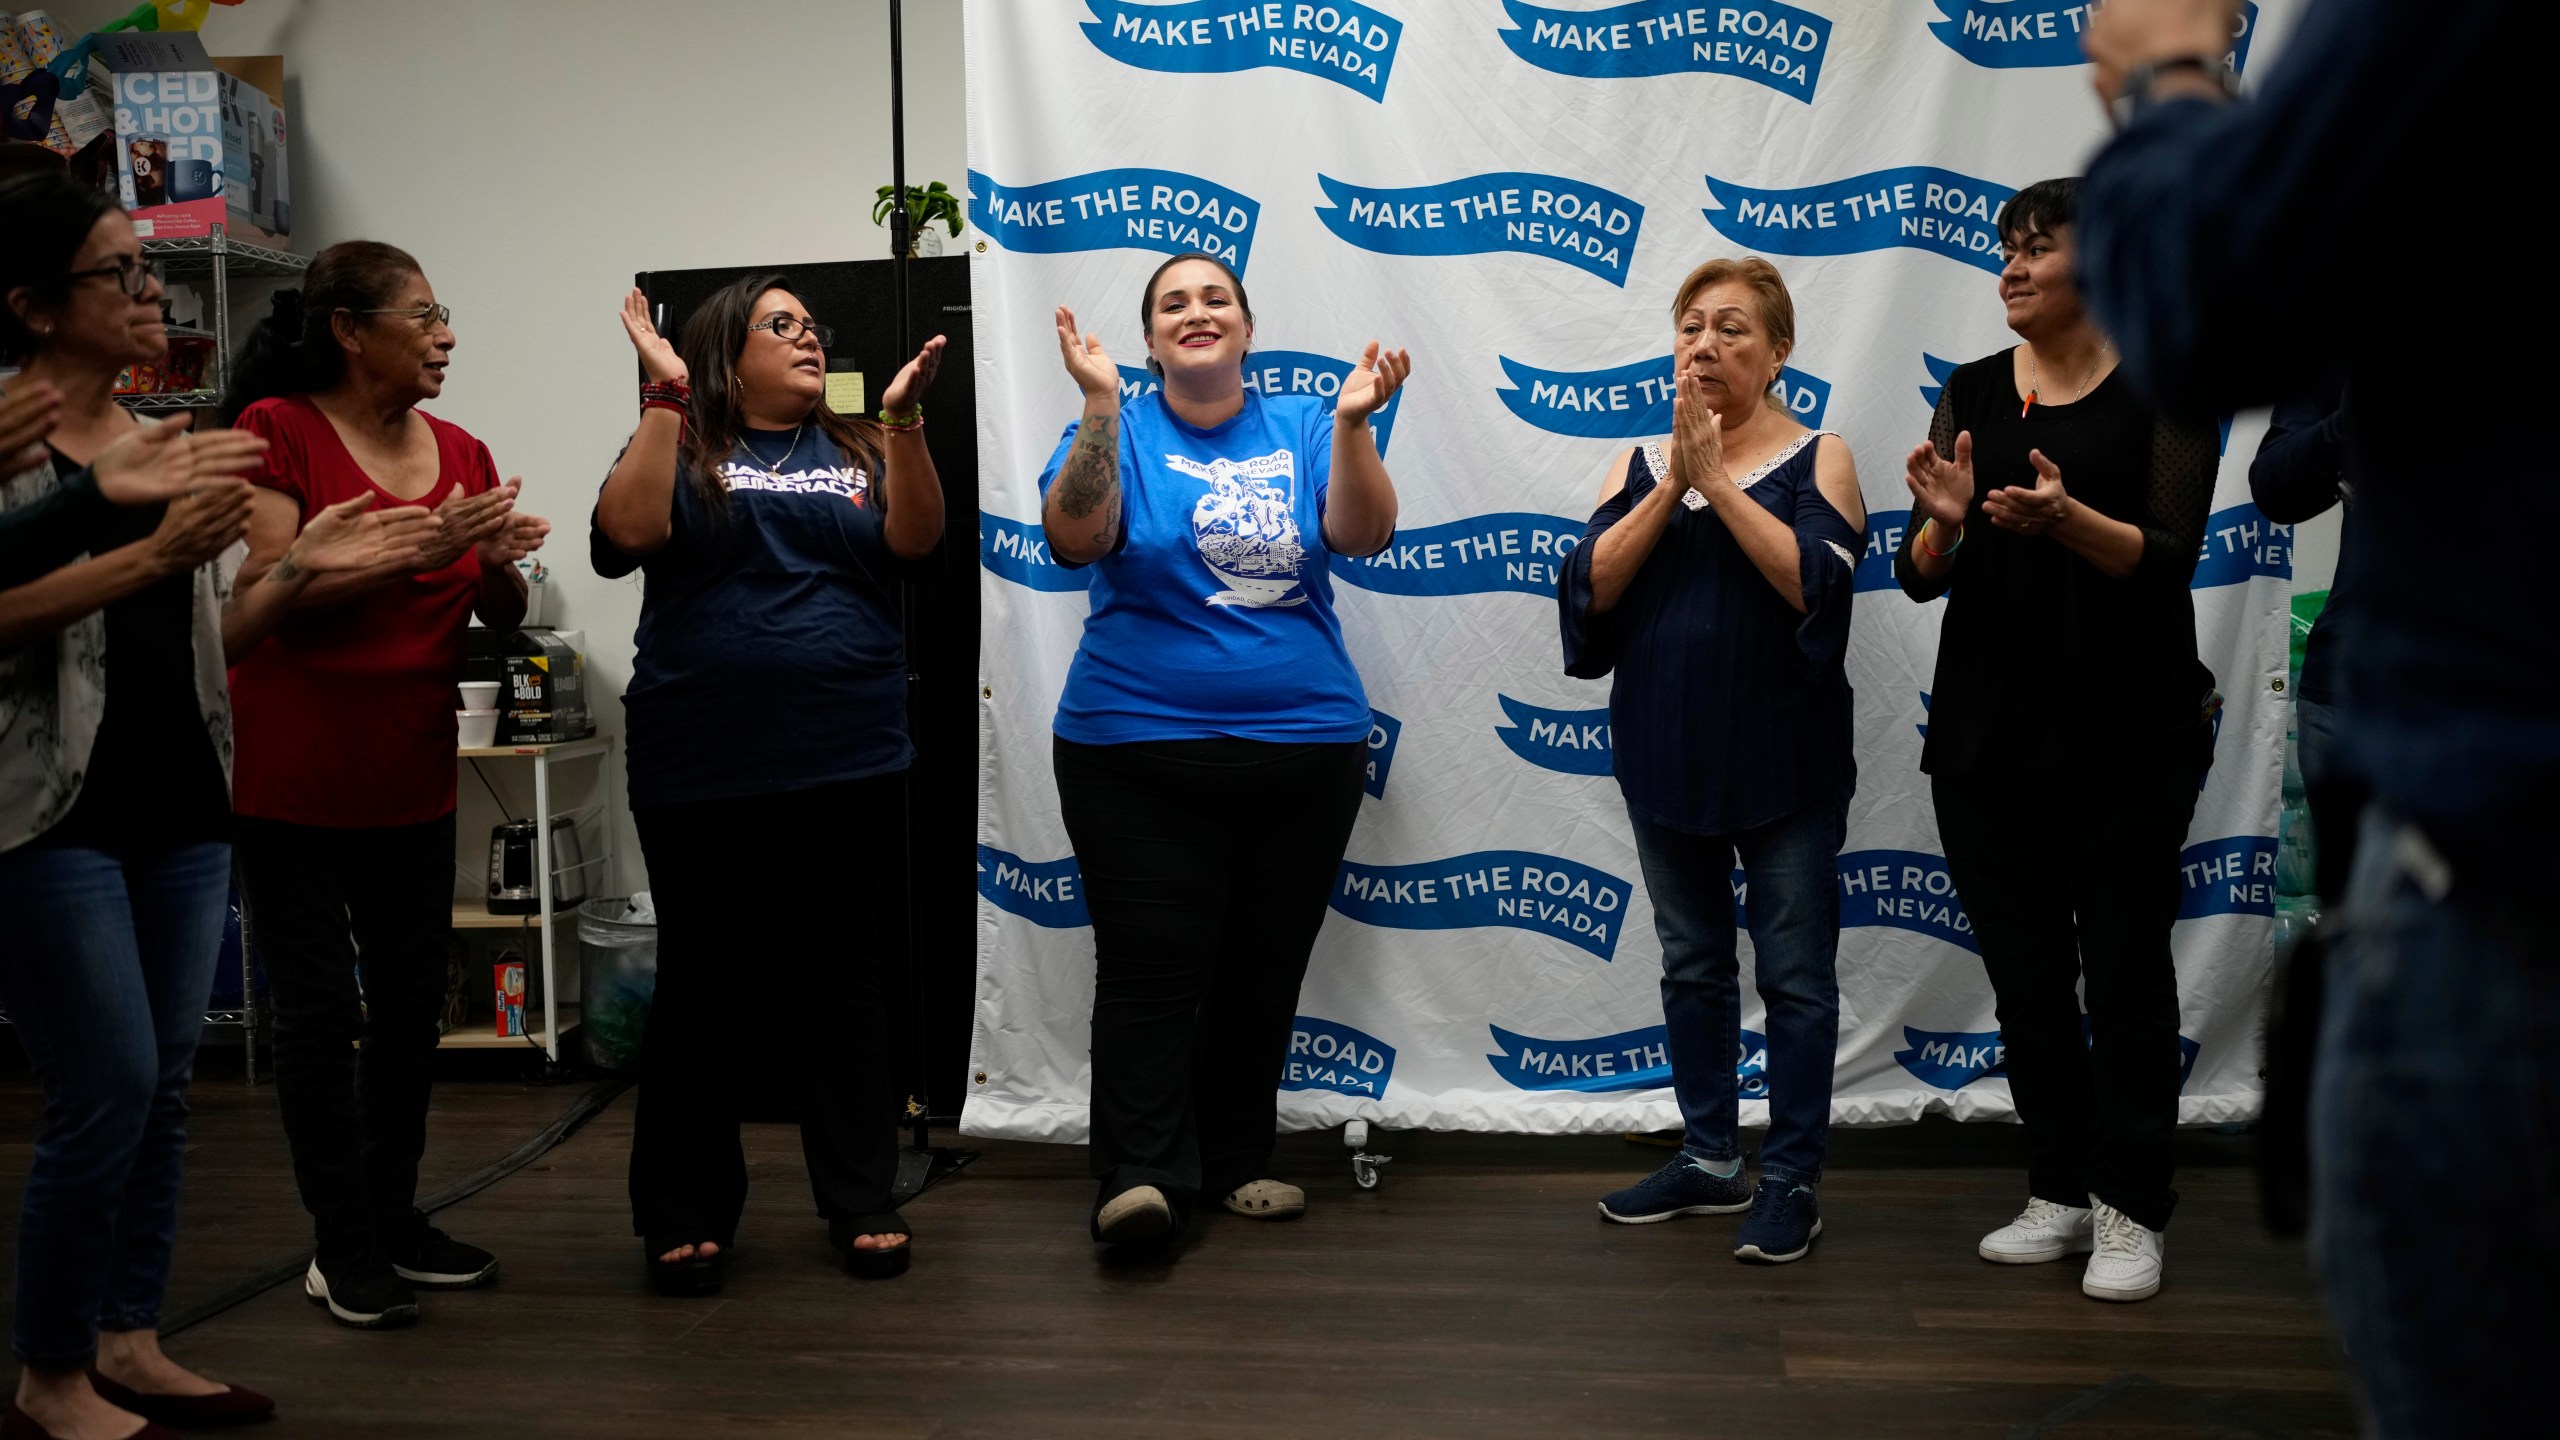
x: 263, y: 1280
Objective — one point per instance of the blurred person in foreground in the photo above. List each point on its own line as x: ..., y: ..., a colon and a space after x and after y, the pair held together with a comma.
x: 2225, y: 244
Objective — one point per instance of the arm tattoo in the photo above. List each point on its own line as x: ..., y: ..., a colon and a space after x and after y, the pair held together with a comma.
x: 1090, y: 480
x: 286, y: 570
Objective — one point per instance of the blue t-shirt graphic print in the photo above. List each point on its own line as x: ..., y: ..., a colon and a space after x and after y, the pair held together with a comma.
x: 1213, y: 616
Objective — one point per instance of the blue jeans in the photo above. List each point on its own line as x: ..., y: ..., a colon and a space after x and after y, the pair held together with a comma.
x: 2435, y: 1132
x: 104, y: 968
x: 1791, y: 866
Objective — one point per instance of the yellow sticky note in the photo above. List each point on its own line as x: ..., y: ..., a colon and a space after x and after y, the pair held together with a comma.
x: 844, y: 391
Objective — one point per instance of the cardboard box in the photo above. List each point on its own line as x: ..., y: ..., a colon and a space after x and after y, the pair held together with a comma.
x: 542, y: 698
x: 255, y: 165
x: 168, y: 119
x: 507, y: 980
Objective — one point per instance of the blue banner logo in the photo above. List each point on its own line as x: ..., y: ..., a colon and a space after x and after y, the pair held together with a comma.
x: 2025, y: 34
x: 1631, y: 1060
x: 1519, y: 889
x: 1349, y: 44
x: 1285, y: 372
x: 1575, y: 742
x: 1923, y: 727
x: 1939, y: 370
x: 2236, y: 876
x: 1020, y: 553
x: 1161, y: 210
x: 1044, y: 892
x: 1626, y: 402
x: 2241, y: 544
x: 1328, y: 1055
x: 1384, y: 731
x: 1899, y: 889
x: 1920, y: 207
x: 1953, y: 1059
x: 1884, y: 538
x: 1583, y: 225
x: 1779, y: 46
x: 1508, y: 551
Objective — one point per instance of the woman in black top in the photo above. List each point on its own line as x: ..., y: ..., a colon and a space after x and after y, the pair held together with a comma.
x: 767, y: 715
x: 1715, y: 579
x: 119, y: 545
x: 2069, y: 725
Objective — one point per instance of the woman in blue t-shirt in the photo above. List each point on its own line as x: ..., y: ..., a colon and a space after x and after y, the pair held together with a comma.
x: 767, y: 730
x: 1211, y: 740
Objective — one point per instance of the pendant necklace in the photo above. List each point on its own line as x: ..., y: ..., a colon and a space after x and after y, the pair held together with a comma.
x: 797, y: 432
x: 2034, y: 390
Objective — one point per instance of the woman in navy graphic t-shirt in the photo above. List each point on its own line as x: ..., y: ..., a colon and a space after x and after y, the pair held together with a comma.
x: 768, y: 728
x: 1211, y: 739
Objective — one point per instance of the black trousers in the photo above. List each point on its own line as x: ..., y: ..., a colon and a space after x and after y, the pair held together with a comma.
x: 327, y: 906
x: 1207, y: 865
x: 768, y: 918
x: 2071, y: 877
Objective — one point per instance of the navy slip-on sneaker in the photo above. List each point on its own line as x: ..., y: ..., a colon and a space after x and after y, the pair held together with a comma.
x: 1679, y: 1188
x: 1784, y: 1219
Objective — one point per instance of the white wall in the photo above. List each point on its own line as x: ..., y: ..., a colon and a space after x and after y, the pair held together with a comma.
x: 533, y: 154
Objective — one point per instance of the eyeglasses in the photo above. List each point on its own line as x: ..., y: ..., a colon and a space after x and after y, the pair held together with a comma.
x: 428, y: 316
x: 133, y: 276
x: 786, y: 329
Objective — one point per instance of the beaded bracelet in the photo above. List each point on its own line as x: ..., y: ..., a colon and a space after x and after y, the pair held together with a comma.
x: 914, y: 419
x: 673, y: 395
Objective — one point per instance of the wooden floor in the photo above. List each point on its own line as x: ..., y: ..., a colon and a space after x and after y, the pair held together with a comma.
x: 1476, y: 1293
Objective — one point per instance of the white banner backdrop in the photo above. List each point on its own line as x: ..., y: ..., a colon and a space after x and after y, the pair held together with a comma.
x: 1513, y: 191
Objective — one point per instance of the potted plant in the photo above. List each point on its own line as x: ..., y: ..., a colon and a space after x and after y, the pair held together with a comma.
x: 924, y: 206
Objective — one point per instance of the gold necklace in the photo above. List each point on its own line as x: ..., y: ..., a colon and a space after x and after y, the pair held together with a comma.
x: 798, y: 432
x: 2035, y: 390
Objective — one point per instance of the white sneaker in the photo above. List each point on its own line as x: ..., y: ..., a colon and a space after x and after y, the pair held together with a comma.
x: 2128, y: 1260
x: 2043, y: 1231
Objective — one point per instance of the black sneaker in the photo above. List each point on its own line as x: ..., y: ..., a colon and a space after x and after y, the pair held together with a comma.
x: 364, y: 1294
x: 1784, y: 1219
x: 1679, y: 1188
x: 432, y: 1260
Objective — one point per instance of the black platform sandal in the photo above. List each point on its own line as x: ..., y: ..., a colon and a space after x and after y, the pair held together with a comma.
x: 697, y: 1274
x: 872, y: 1264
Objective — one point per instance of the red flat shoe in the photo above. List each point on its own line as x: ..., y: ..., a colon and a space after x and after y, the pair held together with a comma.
x: 17, y: 1424
x: 234, y: 1406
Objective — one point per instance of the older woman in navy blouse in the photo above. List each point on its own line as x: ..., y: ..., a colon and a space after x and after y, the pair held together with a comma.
x: 1714, y: 580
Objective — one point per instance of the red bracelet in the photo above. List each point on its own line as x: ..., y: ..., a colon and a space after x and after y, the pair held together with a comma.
x: 1922, y: 540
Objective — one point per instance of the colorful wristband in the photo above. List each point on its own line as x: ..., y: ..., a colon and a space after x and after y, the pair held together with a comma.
x: 912, y: 420
x: 1922, y: 540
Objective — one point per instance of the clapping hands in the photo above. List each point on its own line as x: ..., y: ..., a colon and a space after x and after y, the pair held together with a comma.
x: 1088, y: 364
x: 1941, y: 487
x: 1372, y: 383
x: 2030, y: 511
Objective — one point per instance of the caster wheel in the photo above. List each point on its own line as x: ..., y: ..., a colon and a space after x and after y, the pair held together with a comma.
x: 1364, y: 1171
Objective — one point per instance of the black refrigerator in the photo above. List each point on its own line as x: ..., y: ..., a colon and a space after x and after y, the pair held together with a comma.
x: 938, y: 851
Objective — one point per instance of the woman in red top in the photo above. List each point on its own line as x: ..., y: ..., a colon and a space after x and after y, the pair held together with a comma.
x: 345, y: 772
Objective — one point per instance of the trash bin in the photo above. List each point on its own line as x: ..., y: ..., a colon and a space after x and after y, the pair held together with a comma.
x: 617, y: 977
